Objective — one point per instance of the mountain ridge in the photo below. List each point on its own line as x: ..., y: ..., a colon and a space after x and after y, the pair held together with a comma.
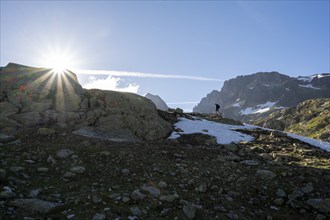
x: 253, y: 92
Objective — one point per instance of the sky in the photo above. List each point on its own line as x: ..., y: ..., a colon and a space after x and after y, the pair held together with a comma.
x: 179, y: 50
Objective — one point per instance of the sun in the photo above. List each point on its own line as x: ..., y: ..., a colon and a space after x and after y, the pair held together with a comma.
x: 57, y: 60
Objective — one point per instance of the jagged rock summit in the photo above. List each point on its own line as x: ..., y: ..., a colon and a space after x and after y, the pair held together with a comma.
x: 35, y: 98
x: 158, y: 101
x: 245, y: 96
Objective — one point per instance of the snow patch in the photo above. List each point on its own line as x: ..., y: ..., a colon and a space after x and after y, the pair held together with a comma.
x: 310, y: 86
x: 317, y: 143
x: 310, y: 78
x: 258, y: 109
x: 225, y: 134
x: 237, y: 104
x: 222, y: 132
x: 305, y: 78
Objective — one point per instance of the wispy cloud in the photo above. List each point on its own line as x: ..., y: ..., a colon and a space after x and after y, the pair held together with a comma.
x: 111, y: 83
x: 182, y: 103
x: 145, y: 75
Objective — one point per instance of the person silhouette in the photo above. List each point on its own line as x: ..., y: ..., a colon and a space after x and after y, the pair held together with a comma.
x: 217, y: 108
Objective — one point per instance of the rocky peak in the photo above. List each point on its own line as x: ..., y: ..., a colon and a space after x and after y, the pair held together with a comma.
x: 244, y: 97
x: 158, y: 101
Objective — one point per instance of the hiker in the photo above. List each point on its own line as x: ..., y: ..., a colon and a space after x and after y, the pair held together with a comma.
x: 217, y: 108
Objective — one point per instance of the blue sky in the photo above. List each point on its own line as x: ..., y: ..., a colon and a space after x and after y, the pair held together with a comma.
x: 216, y: 40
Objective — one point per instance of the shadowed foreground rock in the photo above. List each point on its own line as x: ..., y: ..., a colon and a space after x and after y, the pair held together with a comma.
x: 35, y: 205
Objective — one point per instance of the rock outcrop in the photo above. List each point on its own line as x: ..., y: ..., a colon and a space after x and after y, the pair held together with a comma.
x: 159, y: 102
x: 310, y: 118
x: 37, y: 97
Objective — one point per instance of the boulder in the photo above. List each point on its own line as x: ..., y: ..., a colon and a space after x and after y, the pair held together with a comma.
x: 129, y: 113
x: 39, y: 97
x: 35, y: 205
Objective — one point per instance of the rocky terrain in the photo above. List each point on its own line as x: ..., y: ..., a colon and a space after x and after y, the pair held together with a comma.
x: 246, y: 97
x: 64, y: 176
x: 70, y: 153
x: 310, y: 118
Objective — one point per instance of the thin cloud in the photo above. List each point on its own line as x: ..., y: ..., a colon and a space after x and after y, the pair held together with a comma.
x: 181, y: 103
x: 110, y: 83
x: 144, y: 75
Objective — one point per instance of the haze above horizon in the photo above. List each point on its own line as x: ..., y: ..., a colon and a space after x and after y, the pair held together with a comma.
x: 178, y: 50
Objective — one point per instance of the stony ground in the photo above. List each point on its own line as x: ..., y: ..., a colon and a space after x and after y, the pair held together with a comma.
x: 70, y: 177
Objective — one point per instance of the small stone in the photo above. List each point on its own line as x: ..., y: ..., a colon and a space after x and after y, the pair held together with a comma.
x: 105, y: 153
x: 308, y: 188
x: 69, y: 175
x: 162, y: 184
x: 4, y: 138
x: 231, y: 147
x: 250, y: 162
x: 278, y: 134
x: 16, y: 169
x: 36, y: 205
x: 51, y: 160
x: 169, y: 198
x: 125, y: 199
x: 232, y: 215
x: 137, y: 195
x: 278, y: 201
x: 152, y: 190
x: 125, y: 172
x: 135, y: 211
x: 70, y: 216
x: 280, y: 193
x: 320, y: 217
x: 99, y: 216
x: 86, y: 143
x: 78, y: 169
x: 295, y: 194
x: 265, y: 174
x: 63, y: 153
x: 96, y: 199
x: 189, y: 211
x: 45, y: 131
x: 322, y: 205
x: 3, y: 173
x: 6, y: 194
x: 42, y: 169
x: 35, y: 192
x: 202, y: 188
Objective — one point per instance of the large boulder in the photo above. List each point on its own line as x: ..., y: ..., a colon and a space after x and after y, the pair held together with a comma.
x: 38, y: 97
x: 126, y: 114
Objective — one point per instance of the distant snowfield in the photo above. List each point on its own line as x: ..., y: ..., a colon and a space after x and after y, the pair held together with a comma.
x: 310, y: 86
x: 310, y: 78
x: 225, y: 134
x: 258, y: 109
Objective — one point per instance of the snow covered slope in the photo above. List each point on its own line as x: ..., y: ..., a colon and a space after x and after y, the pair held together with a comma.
x: 225, y: 134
